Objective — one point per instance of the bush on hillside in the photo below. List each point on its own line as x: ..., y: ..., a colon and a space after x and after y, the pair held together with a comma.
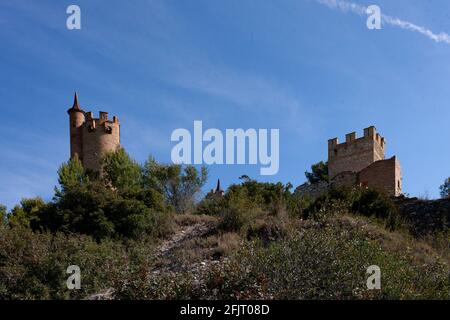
x: 3, y: 215
x: 366, y: 202
x: 372, y: 203
x: 121, y: 172
x: 180, y: 185
x: 97, y: 210
x: 445, y: 188
x: 323, y: 264
x: 33, y: 265
x: 319, y: 172
x: 25, y: 213
x: 212, y: 204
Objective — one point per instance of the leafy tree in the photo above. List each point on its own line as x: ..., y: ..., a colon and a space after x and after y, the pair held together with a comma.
x: 212, y: 204
x: 371, y: 202
x: 113, y: 203
x: 122, y: 172
x: 445, y: 189
x: 248, y: 198
x: 98, y: 210
x: 319, y: 172
x: 131, y: 218
x: 264, y: 194
x: 26, y: 212
x: 2, y: 214
x: 71, y: 174
x: 238, y: 210
x: 81, y: 209
x: 178, y: 184
x: 150, y: 197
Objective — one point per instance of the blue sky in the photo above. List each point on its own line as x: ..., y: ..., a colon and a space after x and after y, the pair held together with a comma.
x: 312, y: 71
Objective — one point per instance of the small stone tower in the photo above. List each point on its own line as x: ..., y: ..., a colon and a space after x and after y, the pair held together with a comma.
x: 91, y: 138
x: 361, y: 161
x: 355, y: 153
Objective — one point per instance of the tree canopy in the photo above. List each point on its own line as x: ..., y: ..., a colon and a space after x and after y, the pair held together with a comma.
x: 124, y: 199
x: 445, y: 188
x: 179, y: 185
x: 319, y: 172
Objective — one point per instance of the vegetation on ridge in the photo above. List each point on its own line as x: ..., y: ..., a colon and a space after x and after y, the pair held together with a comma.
x: 139, y: 232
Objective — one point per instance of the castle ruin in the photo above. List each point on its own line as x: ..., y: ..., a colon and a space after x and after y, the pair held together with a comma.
x: 361, y: 161
x: 355, y: 162
x: 91, y: 138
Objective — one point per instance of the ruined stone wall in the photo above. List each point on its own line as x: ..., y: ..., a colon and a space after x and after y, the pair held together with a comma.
x: 355, y: 153
x: 344, y: 179
x: 312, y: 190
x: 425, y: 216
x: 384, y: 175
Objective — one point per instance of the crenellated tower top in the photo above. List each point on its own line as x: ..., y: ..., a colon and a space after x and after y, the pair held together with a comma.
x: 355, y: 153
x: 91, y: 138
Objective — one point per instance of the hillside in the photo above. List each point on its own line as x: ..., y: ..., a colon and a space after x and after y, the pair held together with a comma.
x: 137, y: 233
x: 324, y: 259
x: 315, y: 260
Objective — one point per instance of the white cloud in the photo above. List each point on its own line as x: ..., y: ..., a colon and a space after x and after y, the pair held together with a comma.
x: 346, y: 6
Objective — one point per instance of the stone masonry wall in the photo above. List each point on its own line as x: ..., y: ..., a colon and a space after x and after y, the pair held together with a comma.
x: 104, y: 137
x: 355, y: 154
x: 312, y: 190
x: 346, y: 178
x: 384, y: 175
x: 76, y: 140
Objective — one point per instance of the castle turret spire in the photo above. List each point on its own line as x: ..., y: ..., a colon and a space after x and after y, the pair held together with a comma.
x: 75, y: 102
x: 218, y: 190
x: 218, y: 185
x: 76, y: 106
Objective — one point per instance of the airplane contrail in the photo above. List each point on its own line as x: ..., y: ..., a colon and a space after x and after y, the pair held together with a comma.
x: 346, y: 6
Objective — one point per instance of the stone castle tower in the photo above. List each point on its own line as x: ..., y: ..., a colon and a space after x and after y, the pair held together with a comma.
x: 91, y: 138
x: 355, y: 154
x: 361, y: 161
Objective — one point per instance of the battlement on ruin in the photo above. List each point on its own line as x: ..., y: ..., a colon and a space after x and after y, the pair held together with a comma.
x: 362, y: 161
x: 370, y: 134
x: 355, y: 153
x: 102, y: 122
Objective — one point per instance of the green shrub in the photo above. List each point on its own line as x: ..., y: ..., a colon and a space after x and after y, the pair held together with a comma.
x: 71, y: 174
x: 97, y: 210
x: 267, y: 229
x: 445, y: 188
x: 366, y: 202
x: 265, y: 195
x: 372, y: 203
x: 33, y: 265
x: 323, y: 264
x: 26, y: 212
x: 3, y: 215
x: 297, y: 205
x: 180, y: 185
x: 319, y: 172
x: 212, y: 204
x: 238, y: 212
x: 121, y: 172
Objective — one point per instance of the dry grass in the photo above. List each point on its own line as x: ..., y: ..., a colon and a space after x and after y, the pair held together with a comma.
x: 228, y: 243
x: 206, y: 248
x: 402, y: 243
x: 190, y: 219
